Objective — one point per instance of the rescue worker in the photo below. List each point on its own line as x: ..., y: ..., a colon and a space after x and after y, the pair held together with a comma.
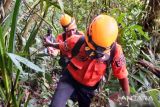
x: 85, y: 70
x: 70, y: 28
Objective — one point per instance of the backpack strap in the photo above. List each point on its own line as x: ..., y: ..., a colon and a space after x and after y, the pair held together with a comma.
x: 112, y: 54
x: 108, y: 62
x: 77, y: 32
x: 77, y: 46
x: 64, y: 36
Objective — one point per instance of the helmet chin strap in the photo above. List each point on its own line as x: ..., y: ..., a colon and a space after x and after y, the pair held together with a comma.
x: 98, y: 54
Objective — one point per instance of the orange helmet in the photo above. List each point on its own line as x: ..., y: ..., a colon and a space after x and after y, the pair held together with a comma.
x: 67, y: 22
x: 102, y: 32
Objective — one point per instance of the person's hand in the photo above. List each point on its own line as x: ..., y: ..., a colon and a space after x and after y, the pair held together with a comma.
x: 46, y: 42
x: 52, y: 51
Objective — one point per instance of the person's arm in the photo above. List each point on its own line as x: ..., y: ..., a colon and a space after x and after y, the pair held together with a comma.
x: 48, y: 43
x: 125, y: 86
x: 120, y: 70
x: 55, y: 45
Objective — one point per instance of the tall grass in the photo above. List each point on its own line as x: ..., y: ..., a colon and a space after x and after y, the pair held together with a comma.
x: 10, y: 90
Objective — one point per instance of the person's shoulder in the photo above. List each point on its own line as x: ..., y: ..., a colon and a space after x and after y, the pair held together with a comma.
x: 118, y: 50
x: 59, y: 35
x: 74, y: 37
x: 81, y: 32
x: 118, y: 47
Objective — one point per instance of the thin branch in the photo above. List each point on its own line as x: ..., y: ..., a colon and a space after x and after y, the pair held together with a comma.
x: 29, y: 8
x: 53, y: 24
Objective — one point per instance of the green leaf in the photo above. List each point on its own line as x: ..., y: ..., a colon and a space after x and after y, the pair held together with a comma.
x: 7, y: 23
x: 2, y: 93
x: 133, y: 90
x: 48, y: 77
x: 20, y: 98
x: 14, y: 100
x: 13, y: 26
x: 143, y: 77
x: 3, y: 63
x: 132, y: 87
x: 2, y: 50
x: 139, y: 29
x: 120, y: 19
x: 155, y: 94
x: 138, y: 79
x: 61, y: 5
x: 147, y: 57
x: 16, y: 59
x: 31, y: 38
x: 13, y: 32
x: 57, y: 6
x: 138, y: 42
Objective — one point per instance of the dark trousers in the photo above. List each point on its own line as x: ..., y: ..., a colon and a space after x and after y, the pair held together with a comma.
x: 66, y: 86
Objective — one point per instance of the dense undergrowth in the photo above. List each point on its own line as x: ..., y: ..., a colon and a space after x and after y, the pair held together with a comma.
x: 28, y: 75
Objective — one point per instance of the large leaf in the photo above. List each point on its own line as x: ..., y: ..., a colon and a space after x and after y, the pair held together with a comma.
x: 17, y: 59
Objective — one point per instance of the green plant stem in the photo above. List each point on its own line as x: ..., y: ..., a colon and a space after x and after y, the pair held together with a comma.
x: 3, y: 63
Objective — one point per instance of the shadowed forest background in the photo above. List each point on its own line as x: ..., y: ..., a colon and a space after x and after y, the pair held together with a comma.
x: 28, y: 75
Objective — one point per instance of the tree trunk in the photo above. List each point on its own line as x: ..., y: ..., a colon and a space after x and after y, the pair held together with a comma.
x: 155, y: 70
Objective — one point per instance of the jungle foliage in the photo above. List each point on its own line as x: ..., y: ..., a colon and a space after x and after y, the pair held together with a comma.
x: 28, y: 75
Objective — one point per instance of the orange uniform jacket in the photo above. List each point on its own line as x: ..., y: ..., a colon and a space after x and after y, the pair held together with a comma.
x: 89, y: 71
x: 60, y: 39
